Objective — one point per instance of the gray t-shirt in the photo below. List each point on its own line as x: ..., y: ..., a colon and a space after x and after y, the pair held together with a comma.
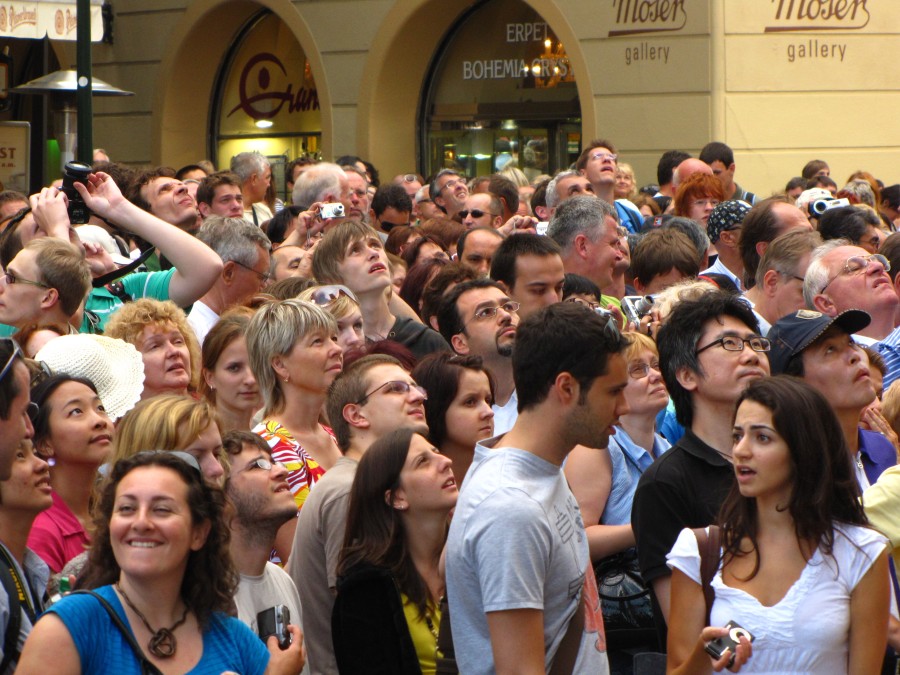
x: 314, y: 558
x: 517, y: 541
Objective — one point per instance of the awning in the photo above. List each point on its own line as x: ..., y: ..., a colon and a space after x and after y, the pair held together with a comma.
x: 57, y: 19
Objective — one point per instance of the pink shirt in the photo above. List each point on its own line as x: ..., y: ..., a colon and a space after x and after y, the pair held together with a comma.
x: 57, y: 535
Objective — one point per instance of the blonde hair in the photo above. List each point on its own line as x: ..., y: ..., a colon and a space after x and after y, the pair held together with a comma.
x: 665, y: 300
x: 638, y: 343
x: 273, y: 331
x: 164, y: 422
x: 128, y: 323
x: 890, y: 405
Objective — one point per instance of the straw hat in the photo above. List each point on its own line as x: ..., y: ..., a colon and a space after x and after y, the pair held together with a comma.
x: 114, y: 366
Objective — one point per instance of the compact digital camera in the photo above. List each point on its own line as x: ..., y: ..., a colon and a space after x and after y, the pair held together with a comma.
x: 334, y: 210
x: 730, y: 641
x: 274, y: 621
x: 636, y: 307
x: 820, y: 206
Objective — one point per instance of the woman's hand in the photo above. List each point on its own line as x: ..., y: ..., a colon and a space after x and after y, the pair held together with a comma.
x: 731, y: 661
x: 874, y: 420
x: 288, y: 661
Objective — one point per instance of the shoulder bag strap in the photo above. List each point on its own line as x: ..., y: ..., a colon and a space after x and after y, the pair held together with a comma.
x: 446, y: 655
x: 147, y: 668
x: 708, y: 546
x: 14, y: 624
x: 567, y: 652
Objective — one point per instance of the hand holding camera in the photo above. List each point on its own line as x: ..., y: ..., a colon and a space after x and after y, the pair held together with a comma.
x: 730, y: 647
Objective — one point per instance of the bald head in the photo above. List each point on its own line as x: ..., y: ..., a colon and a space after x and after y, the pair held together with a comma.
x: 687, y: 169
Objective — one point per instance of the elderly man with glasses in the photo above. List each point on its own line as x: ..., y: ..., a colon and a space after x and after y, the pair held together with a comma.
x: 842, y: 277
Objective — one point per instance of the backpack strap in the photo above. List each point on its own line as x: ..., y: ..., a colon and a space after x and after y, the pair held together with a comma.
x: 708, y: 546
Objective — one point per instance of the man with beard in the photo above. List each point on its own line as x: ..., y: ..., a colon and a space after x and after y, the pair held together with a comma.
x: 477, y: 317
x: 262, y: 502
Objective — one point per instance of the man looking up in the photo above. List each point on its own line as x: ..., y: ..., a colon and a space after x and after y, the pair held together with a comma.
x: 255, y: 174
x: 220, y: 195
x: 245, y: 253
x: 530, y: 269
x: 477, y: 317
x: 261, y: 499
x: 167, y: 198
x: 449, y: 192
x: 842, y: 277
x: 598, y: 164
x: 519, y: 576
x: 586, y: 231
x: 709, y: 350
x: 352, y: 254
x: 15, y: 403
x: 371, y: 398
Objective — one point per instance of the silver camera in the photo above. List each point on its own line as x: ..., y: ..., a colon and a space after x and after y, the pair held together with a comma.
x: 335, y: 210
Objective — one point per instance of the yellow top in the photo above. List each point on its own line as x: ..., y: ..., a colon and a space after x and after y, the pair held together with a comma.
x: 882, y: 504
x: 424, y: 640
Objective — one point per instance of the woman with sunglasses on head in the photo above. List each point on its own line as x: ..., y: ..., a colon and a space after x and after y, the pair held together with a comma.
x: 160, y: 564
x: 797, y: 567
x: 295, y: 356
x: 72, y: 430
x: 386, y: 615
x: 341, y: 303
x: 228, y: 383
x: 458, y: 408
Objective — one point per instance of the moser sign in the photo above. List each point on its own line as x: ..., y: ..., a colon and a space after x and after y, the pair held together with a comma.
x: 641, y: 17
x: 818, y: 15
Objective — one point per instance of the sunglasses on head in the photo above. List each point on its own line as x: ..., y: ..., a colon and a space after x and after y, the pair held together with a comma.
x: 324, y: 295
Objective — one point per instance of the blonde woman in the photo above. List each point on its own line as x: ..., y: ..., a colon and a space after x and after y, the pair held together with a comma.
x: 168, y: 347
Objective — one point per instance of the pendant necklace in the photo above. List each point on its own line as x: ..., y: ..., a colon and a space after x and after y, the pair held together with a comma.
x: 162, y: 642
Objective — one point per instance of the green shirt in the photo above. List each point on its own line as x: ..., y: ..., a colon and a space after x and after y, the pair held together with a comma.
x: 137, y: 284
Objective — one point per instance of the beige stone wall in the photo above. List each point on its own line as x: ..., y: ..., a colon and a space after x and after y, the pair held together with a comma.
x: 711, y: 72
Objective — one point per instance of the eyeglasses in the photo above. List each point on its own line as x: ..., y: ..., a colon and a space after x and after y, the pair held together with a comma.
x: 452, y: 184
x: 411, y: 178
x: 641, y: 370
x: 791, y: 275
x: 581, y: 301
x: 262, y: 277
x: 11, y: 278
x: 874, y: 241
x: 387, y: 226
x: 325, y: 295
x: 858, y: 263
x: 476, y: 213
x: 705, y: 202
x: 263, y: 464
x: 16, y: 353
x: 734, y: 343
x: 396, y: 387
x: 603, y: 156
x: 484, y: 313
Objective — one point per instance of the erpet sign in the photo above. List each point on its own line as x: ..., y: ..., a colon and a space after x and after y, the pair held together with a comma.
x: 57, y: 19
x: 15, y: 149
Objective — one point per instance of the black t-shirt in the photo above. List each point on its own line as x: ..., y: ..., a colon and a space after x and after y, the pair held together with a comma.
x: 685, y: 487
x: 417, y: 337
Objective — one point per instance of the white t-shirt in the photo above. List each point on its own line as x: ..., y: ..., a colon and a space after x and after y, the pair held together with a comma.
x: 807, y: 631
x: 201, y: 320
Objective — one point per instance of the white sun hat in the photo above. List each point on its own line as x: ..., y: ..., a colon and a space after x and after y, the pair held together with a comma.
x: 114, y: 366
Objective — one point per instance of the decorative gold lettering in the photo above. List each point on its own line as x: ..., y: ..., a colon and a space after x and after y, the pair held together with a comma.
x: 802, y: 15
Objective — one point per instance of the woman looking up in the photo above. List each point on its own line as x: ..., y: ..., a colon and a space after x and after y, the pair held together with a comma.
x: 798, y: 567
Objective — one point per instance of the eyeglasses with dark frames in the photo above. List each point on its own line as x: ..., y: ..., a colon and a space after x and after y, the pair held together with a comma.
x: 395, y: 387
x: 735, y: 343
x: 11, y: 278
x: 265, y: 278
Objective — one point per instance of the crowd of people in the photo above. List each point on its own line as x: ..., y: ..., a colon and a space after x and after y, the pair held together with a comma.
x: 599, y: 428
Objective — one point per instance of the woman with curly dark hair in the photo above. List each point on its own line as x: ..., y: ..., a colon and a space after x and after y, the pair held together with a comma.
x: 386, y: 614
x: 797, y: 569
x: 160, y: 560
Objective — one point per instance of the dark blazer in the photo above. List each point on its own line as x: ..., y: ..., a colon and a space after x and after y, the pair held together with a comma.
x: 368, y: 626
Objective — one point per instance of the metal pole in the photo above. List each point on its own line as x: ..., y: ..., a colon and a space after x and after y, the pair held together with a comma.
x: 85, y: 152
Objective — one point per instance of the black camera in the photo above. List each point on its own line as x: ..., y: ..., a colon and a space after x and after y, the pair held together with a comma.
x: 730, y: 641
x: 820, y: 206
x: 76, y: 172
x: 274, y: 621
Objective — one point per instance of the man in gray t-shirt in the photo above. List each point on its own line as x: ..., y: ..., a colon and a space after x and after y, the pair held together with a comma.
x: 520, y: 584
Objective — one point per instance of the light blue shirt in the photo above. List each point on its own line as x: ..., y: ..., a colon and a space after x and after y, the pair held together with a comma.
x: 629, y: 461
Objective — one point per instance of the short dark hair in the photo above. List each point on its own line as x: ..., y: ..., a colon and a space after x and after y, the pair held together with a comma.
x: 9, y: 387
x: 813, y: 167
x: 145, y: 178
x: 539, y: 198
x: 759, y: 225
x: 890, y: 249
x: 40, y: 396
x: 439, y: 374
x: 206, y: 191
x: 183, y: 171
x: 503, y: 264
x: 449, y: 320
x: 665, y: 168
x: 505, y: 190
x: 662, y: 250
x: 717, y: 151
x: 585, y: 155
x: 454, y: 273
x: 349, y: 387
x: 391, y: 195
x: 679, y: 335
x: 277, y: 226
x: 564, y: 337
x: 847, y: 222
x: 795, y: 182
x: 11, y: 238
x: 575, y: 284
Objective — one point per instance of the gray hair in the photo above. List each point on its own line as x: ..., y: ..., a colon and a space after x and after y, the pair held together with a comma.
x: 317, y: 181
x: 579, y: 215
x: 552, y: 198
x: 861, y: 190
x: 818, y: 274
x: 245, y: 164
x: 273, y: 331
x: 234, y: 239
